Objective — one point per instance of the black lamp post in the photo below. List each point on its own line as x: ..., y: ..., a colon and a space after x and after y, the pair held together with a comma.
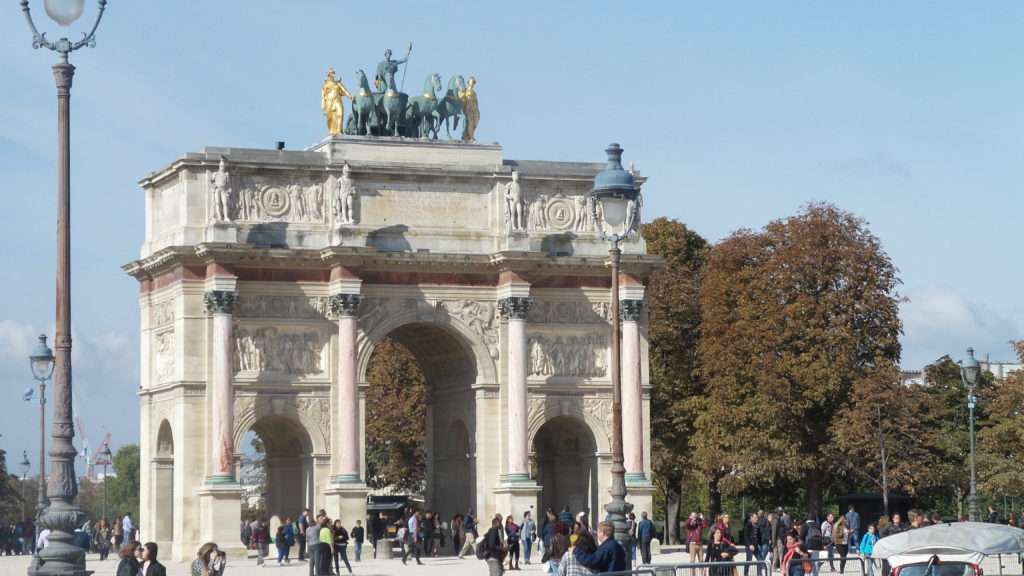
x: 969, y: 371
x: 61, y: 556
x: 615, y: 210
x: 41, y: 361
x: 105, y: 461
x: 24, y: 465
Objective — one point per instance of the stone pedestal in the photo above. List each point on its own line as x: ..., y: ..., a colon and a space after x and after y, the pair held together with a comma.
x: 220, y: 511
x: 640, y: 493
x: 224, y: 232
x: 513, y: 498
x: 347, y: 501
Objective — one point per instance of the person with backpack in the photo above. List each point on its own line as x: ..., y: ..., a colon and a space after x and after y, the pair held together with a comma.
x: 491, y: 549
x: 867, y: 548
x: 810, y: 534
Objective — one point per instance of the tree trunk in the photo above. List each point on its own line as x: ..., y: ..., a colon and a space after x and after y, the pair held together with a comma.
x: 715, y: 497
x: 672, y: 497
x: 812, y: 498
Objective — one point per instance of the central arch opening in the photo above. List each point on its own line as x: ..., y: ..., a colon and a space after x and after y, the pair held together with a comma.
x: 448, y: 368
x: 566, y: 458
x: 276, y: 470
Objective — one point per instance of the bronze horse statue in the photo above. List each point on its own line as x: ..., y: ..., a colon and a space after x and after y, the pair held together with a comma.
x: 421, y: 114
x: 451, y: 105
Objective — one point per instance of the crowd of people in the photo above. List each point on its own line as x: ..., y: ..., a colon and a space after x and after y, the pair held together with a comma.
x: 795, y: 547
x: 22, y: 538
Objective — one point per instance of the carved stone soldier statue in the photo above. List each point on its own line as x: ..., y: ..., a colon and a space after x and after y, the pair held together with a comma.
x: 345, y: 198
x: 514, y: 205
x: 221, y: 193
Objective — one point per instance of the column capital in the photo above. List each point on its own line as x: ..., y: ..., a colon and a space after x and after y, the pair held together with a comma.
x: 345, y: 304
x: 629, y: 310
x: 514, y: 307
x: 219, y: 301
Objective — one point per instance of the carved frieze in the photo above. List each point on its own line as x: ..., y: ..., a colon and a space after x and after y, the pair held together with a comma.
x: 318, y: 411
x: 479, y: 317
x: 581, y: 356
x: 577, y: 312
x: 267, y: 199
x: 162, y: 313
x: 600, y: 409
x: 278, y: 306
x: 559, y: 213
x: 282, y: 351
x: 165, y: 355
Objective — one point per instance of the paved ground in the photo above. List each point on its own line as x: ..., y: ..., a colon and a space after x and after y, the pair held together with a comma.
x: 17, y: 565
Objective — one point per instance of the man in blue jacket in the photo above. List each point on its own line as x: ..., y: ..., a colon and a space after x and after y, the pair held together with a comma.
x: 645, y: 533
x: 609, y: 556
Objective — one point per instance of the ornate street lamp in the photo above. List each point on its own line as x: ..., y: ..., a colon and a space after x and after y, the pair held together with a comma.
x: 24, y: 465
x: 106, y: 458
x: 41, y: 361
x: 969, y: 371
x: 62, y: 516
x: 614, y: 208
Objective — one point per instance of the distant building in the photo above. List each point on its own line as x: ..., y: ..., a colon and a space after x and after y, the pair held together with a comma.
x: 998, y: 369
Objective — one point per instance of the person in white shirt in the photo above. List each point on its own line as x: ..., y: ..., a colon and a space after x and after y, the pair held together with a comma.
x: 44, y: 539
x: 128, y: 528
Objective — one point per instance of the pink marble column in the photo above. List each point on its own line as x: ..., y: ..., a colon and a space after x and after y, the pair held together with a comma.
x: 632, y: 399
x: 514, y: 309
x: 220, y: 305
x: 344, y: 307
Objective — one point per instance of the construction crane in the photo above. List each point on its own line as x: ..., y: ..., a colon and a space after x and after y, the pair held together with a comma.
x: 85, y: 444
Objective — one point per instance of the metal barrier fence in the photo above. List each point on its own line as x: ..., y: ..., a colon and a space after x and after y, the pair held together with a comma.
x: 761, y: 568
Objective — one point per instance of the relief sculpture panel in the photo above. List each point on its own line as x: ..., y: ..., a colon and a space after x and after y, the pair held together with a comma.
x: 263, y: 199
x: 275, y: 306
x: 575, y: 312
x: 580, y: 356
x: 165, y: 352
x: 280, y: 351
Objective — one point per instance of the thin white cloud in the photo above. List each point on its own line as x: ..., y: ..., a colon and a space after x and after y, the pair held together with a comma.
x: 938, y: 320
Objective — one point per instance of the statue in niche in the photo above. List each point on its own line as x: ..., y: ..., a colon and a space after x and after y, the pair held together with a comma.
x: 221, y: 191
x: 514, y: 206
x: 345, y: 197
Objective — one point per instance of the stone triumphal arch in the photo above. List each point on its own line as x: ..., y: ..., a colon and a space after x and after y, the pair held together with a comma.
x: 268, y: 277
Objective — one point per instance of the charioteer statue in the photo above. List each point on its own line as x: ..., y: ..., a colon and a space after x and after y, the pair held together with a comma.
x: 385, y: 110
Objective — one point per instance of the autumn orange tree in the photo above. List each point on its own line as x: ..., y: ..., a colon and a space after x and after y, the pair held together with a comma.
x: 395, y: 420
x: 673, y: 327
x: 795, y: 318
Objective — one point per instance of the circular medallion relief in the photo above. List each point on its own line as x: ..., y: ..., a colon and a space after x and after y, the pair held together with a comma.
x: 560, y: 212
x: 275, y: 202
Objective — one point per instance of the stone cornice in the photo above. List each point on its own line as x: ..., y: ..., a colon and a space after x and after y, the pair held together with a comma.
x: 532, y: 265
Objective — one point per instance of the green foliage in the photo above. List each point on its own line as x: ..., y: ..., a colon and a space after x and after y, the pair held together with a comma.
x: 11, y: 504
x: 1000, y: 455
x: 674, y: 319
x: 123, y: 490
x: 795, y: 318
x: 395, y: 420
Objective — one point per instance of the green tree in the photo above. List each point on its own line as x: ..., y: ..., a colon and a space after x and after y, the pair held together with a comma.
x: 673, y: 327
x: 395, y: 420
x: 889, y: 436
x: 11, y: 504
x: 123, y: 490
x: 794, y: 318
x: 1000, y: 449
x: 946, y: 387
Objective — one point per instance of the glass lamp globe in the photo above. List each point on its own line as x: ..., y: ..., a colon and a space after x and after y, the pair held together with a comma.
x: 64, y: 12
x: 613, y: 209
x: 41, y: 360
x: 971, y: 368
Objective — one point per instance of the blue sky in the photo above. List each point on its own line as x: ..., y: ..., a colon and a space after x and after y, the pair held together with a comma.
x: 906, y: 113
